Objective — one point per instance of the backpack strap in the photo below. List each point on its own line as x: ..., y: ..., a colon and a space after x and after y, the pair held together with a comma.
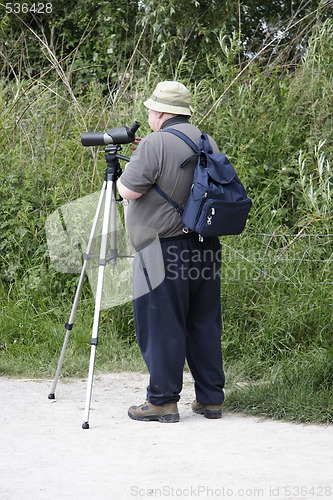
x: 175, y: 205
x: 190, y: 143
x: 183, y: 136
x: 203, y: 143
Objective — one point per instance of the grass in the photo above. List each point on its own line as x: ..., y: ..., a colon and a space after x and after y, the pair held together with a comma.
x: 31, y: 340
x: 299, y: 388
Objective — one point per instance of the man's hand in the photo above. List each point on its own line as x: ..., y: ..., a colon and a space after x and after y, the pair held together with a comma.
x: 136, y: 142
x: 125, y: 193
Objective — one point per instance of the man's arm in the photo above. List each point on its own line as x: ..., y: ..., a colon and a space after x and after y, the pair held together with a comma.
x: 126, y: 193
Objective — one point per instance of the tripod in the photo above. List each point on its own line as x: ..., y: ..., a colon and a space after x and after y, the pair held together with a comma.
x: 108, y: 199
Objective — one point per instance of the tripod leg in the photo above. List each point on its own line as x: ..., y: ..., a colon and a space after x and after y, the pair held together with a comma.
x: 69, y: 325
x: 108, y: 210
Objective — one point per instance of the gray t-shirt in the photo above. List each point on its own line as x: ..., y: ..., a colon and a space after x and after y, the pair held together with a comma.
x: 157, y: 159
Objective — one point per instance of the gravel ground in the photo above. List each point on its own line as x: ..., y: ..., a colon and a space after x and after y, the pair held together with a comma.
x: 45, y: 454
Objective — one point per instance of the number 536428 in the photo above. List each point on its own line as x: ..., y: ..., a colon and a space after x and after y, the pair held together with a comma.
x: 24, y: 8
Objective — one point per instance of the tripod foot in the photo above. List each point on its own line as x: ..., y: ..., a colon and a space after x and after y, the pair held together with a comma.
x: 85, y: 425
x: 51, y: 396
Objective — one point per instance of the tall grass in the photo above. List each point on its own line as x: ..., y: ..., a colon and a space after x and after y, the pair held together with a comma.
x: 298, y: 388
x: 276, y: 277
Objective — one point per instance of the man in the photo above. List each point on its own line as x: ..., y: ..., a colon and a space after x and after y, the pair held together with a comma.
x: 180, y: 318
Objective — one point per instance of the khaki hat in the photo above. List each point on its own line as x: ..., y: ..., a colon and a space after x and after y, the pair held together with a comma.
x: 170, y: 97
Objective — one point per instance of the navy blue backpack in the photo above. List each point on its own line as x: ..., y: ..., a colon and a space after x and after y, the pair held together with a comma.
x: 218, y: 204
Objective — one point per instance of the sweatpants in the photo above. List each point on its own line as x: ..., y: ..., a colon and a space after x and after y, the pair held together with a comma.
x: 180, y: 320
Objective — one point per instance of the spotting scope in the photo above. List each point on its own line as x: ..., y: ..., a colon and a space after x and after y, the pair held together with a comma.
x: 118, y: 135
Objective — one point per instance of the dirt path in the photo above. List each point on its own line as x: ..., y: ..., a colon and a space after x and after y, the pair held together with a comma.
x: 45, y: 454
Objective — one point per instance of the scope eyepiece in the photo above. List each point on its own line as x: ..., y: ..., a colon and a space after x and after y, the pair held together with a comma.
x: 118, y: 135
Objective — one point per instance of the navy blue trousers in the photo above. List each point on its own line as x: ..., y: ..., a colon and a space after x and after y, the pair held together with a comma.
x: 180, y: 321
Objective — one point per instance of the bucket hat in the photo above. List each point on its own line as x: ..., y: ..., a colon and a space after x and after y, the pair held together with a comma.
x: 170, y: 97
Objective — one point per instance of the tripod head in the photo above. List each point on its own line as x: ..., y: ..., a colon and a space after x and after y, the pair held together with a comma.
x: 118, y: 135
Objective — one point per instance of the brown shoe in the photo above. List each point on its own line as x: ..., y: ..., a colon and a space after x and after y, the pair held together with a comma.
x: 208, y: 411
x: 148, y: 412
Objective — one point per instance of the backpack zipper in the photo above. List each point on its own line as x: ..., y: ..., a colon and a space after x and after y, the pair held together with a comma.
x: 209, y: 217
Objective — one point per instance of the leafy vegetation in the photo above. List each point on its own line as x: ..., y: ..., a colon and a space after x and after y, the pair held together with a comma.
x: 270, y: 114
